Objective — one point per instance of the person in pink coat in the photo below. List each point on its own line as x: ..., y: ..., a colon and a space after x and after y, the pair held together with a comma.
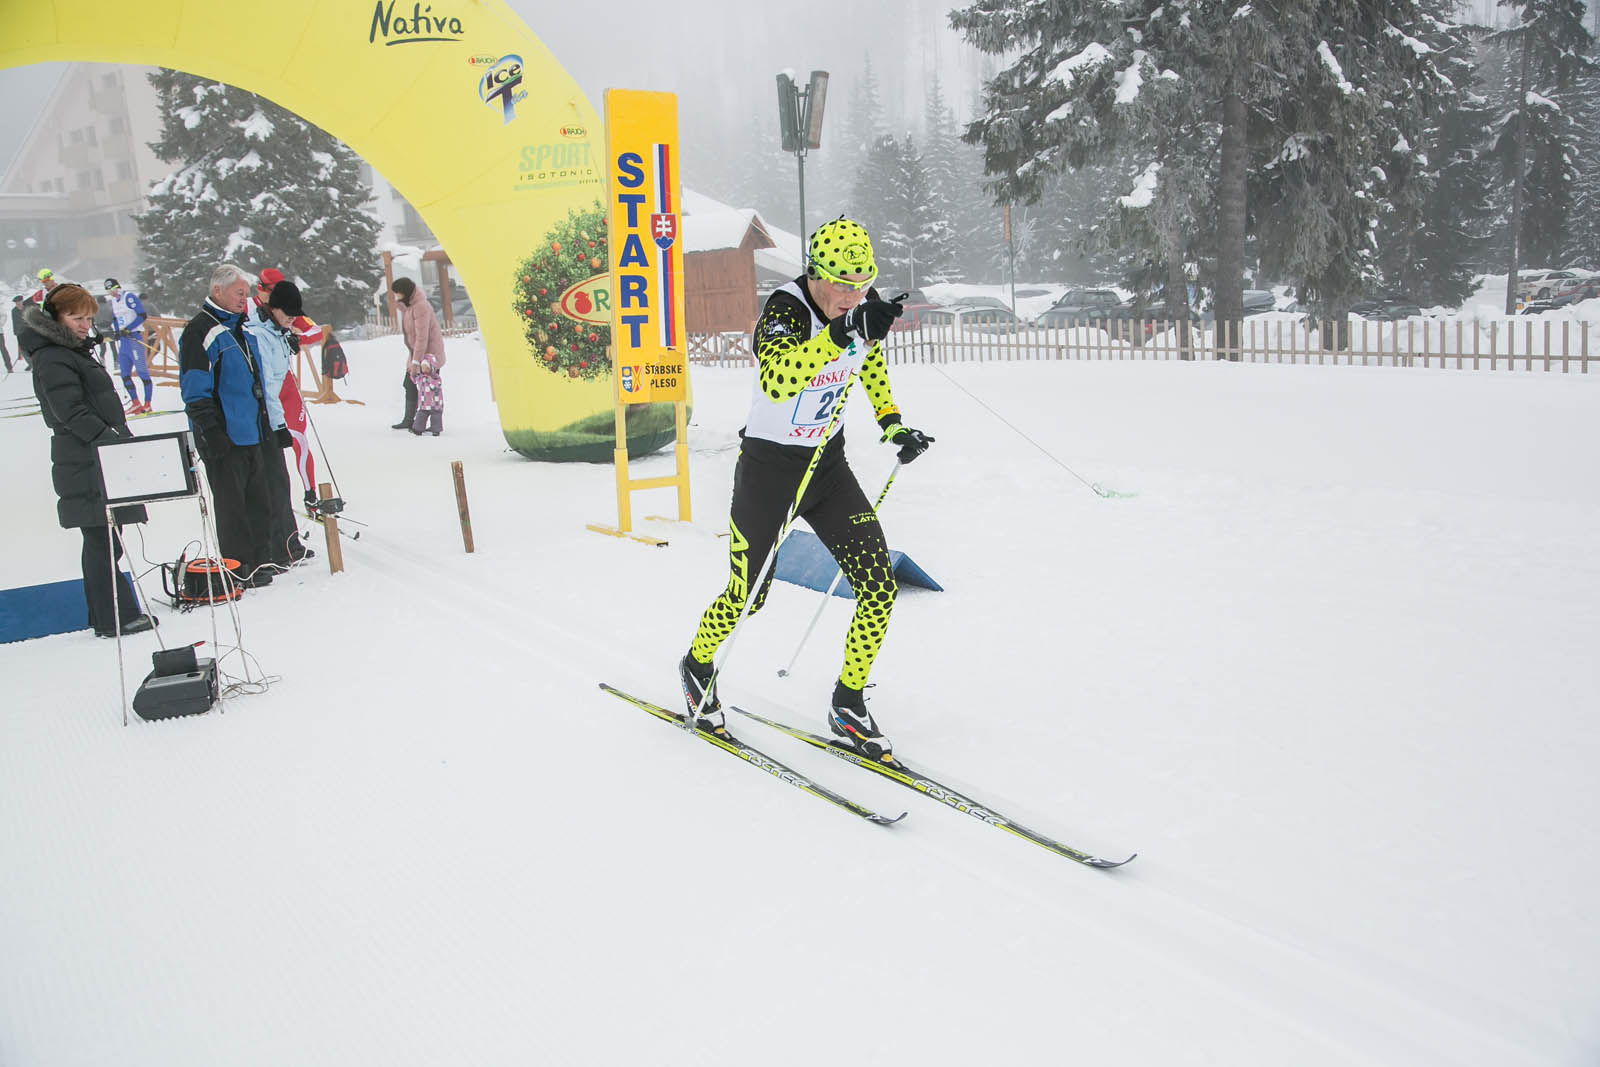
x: 425, y: 355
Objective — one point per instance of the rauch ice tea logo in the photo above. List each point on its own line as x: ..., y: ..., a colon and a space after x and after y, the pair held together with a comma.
x: 422, y: 25
x: 588, y: 301
x: 502, y: 85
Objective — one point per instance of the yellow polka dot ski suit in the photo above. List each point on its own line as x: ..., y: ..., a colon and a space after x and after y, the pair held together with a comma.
x: 791, y: 351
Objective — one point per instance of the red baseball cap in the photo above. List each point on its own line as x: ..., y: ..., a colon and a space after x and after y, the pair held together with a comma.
x: 270, y: 277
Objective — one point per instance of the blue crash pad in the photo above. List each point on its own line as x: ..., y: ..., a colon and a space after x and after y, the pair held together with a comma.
x: 31, y: 611
x: 803, y: 560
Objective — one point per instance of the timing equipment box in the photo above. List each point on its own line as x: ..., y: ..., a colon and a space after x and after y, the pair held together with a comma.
x: 171, y: 695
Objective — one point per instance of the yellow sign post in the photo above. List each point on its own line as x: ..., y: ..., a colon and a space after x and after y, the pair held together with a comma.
x: 649, y: 346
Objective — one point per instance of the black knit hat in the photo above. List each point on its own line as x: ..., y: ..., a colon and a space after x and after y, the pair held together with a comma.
x: 111, y: 283
x: 286, y: 298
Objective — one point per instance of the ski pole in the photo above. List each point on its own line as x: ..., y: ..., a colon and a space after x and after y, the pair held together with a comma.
x: 752, y: 591
x: 783, y: 672
x: 325, y: 464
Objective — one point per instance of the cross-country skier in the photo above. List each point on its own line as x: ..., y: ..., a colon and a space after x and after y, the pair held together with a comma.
x: 815, y: 335
x: 127, y: 317
x: 47, y: 282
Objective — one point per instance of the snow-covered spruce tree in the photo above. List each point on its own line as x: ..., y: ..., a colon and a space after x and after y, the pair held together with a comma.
x: 854, y: 134
x: 931, y: 237
x: 260, y: 187
x: 912, y: 239
x: 1079, y: 234
x: 1130, y: 83
x: 1224, y: 91
x: 1549, y: 45
x: 980, y: 242
x: 1349, y: 154
x: 1432, y: 243
x: 872, y: 199
x: 1582, y: 104
x: 955, y: 184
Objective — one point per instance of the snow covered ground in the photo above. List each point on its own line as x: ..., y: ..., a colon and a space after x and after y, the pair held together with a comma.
x: 1330, y: 672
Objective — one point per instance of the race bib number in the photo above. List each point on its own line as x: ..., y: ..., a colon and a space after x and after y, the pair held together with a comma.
x: 814, y: 406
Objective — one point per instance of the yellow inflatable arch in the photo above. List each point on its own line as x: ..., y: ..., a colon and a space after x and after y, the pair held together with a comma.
x: 460, y: 106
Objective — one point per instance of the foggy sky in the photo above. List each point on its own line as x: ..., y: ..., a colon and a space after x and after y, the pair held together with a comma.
x: 719, y: 57
x: 723, y: 57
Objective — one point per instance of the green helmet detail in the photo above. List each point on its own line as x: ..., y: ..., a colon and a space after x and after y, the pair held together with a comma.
x: 840, y: 247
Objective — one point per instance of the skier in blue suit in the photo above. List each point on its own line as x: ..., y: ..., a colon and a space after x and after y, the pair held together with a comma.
x: 127, y: 314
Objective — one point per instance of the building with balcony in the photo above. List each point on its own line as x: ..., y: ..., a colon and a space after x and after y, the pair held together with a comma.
x: 69, y: 194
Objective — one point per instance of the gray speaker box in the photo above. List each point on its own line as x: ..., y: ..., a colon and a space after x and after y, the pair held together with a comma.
x: 167, y: 696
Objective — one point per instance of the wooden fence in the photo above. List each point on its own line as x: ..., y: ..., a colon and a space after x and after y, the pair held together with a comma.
x: 382, y: 325
x: 1510, y: 344
x: 161, y: 344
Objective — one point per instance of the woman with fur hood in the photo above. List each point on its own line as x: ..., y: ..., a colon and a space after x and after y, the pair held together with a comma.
x: 81, y: 405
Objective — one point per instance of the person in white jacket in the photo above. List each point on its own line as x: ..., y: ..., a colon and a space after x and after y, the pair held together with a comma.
x: 271, y: 324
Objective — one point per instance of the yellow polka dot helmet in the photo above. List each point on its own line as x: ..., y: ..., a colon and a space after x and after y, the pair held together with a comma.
x: 838, y: 248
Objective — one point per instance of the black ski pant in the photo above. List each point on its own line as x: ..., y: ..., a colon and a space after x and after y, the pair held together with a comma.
x: 283, y: 532
x: 104, y: 602
x: 765, y: 481
x: 411, y: 401
x: 240, y: 492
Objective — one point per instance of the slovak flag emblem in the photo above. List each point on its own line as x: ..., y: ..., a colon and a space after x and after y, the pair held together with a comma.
x: 664, y: 229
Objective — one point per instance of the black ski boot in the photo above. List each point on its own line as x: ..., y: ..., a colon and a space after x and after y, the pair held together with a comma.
x: 696, y: 676
x: 851, y: 721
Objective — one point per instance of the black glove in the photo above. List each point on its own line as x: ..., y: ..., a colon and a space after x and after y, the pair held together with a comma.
x: 210, y: 431
x: 912, y: 443
x: 284, y: 437
x: 294, y: 342
x: 210, y: 443
x: 869, y: 319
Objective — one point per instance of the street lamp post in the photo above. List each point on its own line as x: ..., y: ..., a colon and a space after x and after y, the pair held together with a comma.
x: 800, y: 119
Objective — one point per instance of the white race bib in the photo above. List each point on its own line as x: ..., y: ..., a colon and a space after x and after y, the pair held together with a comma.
x: 801, y: 420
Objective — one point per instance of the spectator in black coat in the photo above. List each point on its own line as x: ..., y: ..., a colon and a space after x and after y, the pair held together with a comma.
x: 81, y: 405
x: 18, y: 302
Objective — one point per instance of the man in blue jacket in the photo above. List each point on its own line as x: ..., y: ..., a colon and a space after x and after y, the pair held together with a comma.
x: 225, y: 396
x: 127, y: 321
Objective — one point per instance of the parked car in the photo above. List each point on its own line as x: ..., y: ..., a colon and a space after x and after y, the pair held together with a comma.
x: 1585, y: 286
x: 1543, y: 284
x: 1078, y: 306
x: 1258, y: 301
x: 977, y: 318
x: 983, y: 302
x: 1385, y: 309
x: 1581, y: 286
x: 915, y: 304
x: 1132, y: 321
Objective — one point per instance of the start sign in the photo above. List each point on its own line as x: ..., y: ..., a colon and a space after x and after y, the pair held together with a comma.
x: 647, y: 327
